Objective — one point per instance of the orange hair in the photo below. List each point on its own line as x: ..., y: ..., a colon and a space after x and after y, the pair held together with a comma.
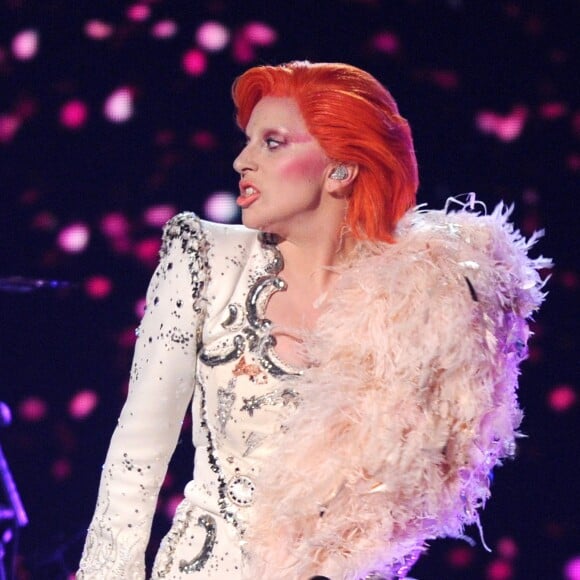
x: 355, y: 119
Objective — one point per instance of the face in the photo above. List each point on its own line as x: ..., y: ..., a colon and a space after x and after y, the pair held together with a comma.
x: 282, y: 169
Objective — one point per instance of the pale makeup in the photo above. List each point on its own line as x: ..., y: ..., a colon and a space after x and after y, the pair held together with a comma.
x: 283, y: 170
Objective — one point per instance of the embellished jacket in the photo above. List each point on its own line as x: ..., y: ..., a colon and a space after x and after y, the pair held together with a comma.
x: 407, y: 402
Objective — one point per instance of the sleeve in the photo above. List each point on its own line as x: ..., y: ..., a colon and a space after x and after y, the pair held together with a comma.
x: 160, y: 388
x: 410, y: 405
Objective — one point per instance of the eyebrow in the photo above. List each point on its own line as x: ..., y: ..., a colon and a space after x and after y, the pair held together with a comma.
x: 291, y: 136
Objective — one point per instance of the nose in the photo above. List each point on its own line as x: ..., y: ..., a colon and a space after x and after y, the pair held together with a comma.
x: 244, y: 162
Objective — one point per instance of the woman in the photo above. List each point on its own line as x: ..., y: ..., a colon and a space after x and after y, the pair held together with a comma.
x: 351, y: 363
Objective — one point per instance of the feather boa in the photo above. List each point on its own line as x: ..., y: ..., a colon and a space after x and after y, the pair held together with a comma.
x: 408, y: 403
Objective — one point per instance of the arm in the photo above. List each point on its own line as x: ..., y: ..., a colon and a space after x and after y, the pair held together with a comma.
x: 161, y: 386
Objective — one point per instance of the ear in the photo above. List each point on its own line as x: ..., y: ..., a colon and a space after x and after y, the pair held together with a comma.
x: 340, y: 178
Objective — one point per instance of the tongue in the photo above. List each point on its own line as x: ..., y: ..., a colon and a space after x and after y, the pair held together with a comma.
x: 244, y: 201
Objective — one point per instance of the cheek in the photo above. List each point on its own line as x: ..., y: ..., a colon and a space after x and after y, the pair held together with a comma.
x: 304, y: 167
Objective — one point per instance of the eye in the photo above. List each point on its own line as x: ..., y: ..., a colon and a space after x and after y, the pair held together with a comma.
x: 272, y: 143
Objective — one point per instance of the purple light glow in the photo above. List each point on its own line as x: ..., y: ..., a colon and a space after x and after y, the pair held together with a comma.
x: 212, y: 36
x: 221, y: 207
x: 118, y: 107
x: 572, y: 569
x: 25, y: 45
x: 74, y: 238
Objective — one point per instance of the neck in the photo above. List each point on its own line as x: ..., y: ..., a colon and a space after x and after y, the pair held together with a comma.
x: 309, y: 260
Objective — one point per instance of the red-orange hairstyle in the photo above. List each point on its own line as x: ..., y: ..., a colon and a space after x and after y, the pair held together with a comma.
x: 355, y: 119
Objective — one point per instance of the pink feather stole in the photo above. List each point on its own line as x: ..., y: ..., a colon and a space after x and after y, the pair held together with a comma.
x: 408, y: 403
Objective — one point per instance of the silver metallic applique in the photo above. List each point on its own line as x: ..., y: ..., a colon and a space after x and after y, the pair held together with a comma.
x: 233, y: 316
x: 208, y: 523
x: 226, y: 400
x: 284, y: 397
x: 240, y: 490
x: 253, y: 441
x: 254, y: 336
x: 186, y: 228
x: 169, y: 543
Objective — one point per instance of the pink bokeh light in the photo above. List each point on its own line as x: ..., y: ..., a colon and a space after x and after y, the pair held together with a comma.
x: 506, y: 127
x: 460, y: 557
x: 499, y: 570
x: 139, y: 308
x: 250, y: 36
x: 119, y: 105
x: 74, y: 238
x: 9, y: 125
x: 444, y: 79
x: 98, y: 287
x: 386, y: 42
x: 44, y: 221
x: 74, y: 114
x: 569, y: 279
x: 553, y: 110
x: 25, y: 45
x: 204, y: 140
x: 138, y: 12
x: 260, y: 34
x: 61, y: 469
x: 164, y: 29
x: 98, y: 30
x: 194, y: 62
x: 157, y: 215
x: 171, y: 505
x: 507, y: 548
x: 562, y: 398
x: 82, y: 404
x: 212, y: 36
x: 572, y: 569
x: 221, y: 206
x: 114, y: 225
x: 147, y: 251
x: 573, y: 162
x: 126, y: 338
x: 33, y: 409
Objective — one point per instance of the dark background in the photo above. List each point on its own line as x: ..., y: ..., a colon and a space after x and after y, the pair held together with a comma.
x: 491, y: 91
